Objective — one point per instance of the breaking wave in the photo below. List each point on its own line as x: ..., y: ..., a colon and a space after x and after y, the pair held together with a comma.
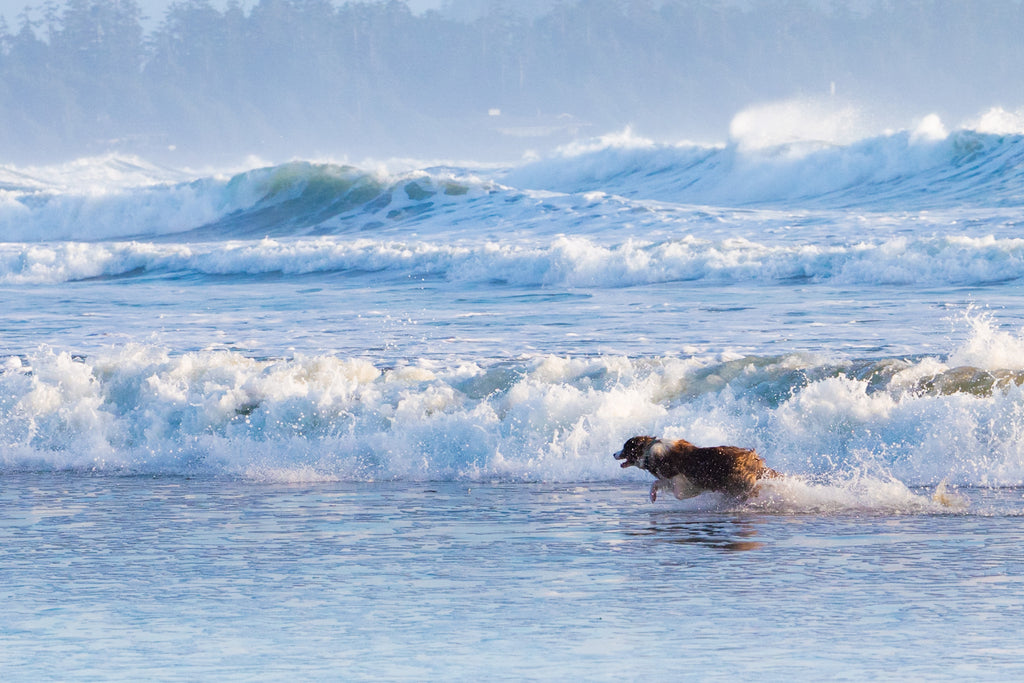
x: 288, y: 199
x: 563, y: 261
x: 114, y: 198
x: 141, y: 409
x: 907, y: 170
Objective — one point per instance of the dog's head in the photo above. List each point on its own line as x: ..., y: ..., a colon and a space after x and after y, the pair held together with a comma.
x: 635, y: 452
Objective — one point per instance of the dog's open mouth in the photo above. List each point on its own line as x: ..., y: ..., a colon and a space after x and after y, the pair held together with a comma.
x: 620, y: 456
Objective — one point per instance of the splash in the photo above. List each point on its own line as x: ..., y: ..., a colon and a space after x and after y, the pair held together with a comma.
x: 853, y: 495
x: 799, y: 120
x: 929, y: 129
x: 987, y: 344
x: 998, y: 121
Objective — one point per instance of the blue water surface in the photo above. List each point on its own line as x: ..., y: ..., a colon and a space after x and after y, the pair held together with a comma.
x: 183, y: 579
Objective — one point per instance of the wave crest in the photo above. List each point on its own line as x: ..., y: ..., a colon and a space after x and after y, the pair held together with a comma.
x: 289, y: 199
x: 923, y: 168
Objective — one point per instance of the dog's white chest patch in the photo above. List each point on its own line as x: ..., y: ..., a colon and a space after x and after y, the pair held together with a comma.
x: 680, y: 486
x: 683, y: 487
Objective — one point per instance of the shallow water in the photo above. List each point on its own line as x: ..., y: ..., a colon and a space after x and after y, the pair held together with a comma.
x: 392, y: 322
x: 176, y: 579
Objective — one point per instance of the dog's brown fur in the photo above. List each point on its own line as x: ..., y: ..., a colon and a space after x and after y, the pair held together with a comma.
x: 689, y: 470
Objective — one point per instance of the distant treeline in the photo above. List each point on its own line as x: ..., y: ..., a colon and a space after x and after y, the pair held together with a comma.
x: 293, y: 77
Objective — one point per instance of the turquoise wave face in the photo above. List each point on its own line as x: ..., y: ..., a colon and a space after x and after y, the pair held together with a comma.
x: 965, y: 170
x: 292, y: 199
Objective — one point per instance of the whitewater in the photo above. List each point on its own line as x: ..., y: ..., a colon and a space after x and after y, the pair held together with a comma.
x: 386, y: 395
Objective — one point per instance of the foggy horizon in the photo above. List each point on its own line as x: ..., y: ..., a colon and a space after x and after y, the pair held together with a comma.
x: 211, y: 82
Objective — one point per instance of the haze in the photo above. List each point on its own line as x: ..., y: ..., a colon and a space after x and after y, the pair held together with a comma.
x: 483, y: 80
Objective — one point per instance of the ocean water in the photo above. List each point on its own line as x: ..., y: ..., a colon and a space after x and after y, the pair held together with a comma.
x: 331, y: 421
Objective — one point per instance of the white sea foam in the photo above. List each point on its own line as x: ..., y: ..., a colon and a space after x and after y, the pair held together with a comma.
x: 564, y: 261
x: 143, y: 409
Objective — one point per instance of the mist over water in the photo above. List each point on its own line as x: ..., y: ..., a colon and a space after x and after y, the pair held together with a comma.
x: 205, y: 83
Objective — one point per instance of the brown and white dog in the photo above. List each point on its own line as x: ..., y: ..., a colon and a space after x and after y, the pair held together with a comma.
x: 689, y: 470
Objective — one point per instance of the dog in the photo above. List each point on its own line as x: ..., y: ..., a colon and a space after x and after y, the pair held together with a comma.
x: 689, y: 470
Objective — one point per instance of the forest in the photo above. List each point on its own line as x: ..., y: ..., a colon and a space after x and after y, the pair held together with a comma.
x: 311, y: 77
